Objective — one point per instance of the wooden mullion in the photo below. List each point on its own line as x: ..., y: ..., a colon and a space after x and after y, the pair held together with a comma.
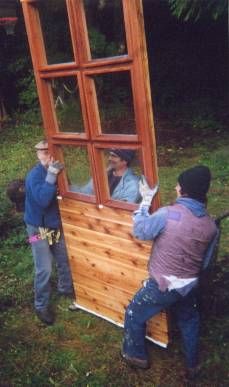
x: 77, y: 196
x: 94, y: 64
x: 79, y: 31
x: 58, y: 74
x: 99, y: 174
x: 73, y: 30
x: 68, y: 140
x: 117, y: 144
x: 108, y: 61
x: 114, y: 138
x: 57, y: 67
x: 91, y: 104
x: 84, y: 107
x: 120, y: 204
x: 95, y: 172
x: 114, y: 67
x: 141, y: 91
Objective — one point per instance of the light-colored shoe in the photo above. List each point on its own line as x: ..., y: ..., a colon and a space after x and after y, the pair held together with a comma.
x: 73, y: 307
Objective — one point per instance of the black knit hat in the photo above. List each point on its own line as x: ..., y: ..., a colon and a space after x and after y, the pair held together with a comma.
x: 195, y: 182
x: 124, y: 154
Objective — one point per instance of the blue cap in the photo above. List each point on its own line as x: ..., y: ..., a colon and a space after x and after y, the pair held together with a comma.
x: 124, y: 154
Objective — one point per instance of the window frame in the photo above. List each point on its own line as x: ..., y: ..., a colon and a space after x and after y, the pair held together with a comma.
x: 84, y: 67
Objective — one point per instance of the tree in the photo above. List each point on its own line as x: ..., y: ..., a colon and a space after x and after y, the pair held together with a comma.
x: 195, y: 9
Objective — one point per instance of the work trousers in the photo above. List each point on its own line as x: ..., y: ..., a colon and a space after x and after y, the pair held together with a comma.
x: 149, y: 301
x: 43, y: 255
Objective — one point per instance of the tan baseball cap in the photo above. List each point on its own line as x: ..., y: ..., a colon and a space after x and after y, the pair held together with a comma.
x: 42, y: 145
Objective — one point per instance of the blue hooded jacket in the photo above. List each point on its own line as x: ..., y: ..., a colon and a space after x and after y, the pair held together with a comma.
x: 41, y: 207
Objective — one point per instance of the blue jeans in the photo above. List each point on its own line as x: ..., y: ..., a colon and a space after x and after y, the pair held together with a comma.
x: 43, y: 254
x: 149, y: 301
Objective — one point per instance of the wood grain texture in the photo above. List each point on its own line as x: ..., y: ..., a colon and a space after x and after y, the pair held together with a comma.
x: 108, y: 264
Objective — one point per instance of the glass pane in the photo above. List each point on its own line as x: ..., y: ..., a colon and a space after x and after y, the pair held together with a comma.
x: 114, y: 95
x: 123, y: 174
x: 56, y: 33
x: 67, y: 104
x: 105, y: 28
x: 77, y: 168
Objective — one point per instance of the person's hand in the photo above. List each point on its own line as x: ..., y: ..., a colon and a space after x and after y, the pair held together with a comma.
x: 146, y: 192
x: 54, y: 168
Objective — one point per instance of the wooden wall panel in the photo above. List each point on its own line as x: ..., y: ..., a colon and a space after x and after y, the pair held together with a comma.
x: 108, y: 264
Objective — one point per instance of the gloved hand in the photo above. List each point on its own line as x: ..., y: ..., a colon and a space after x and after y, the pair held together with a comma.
x: 55, y: 167
x: 146, y: 192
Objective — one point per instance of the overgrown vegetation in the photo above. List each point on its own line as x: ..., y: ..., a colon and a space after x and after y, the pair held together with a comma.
x: 80, y: 349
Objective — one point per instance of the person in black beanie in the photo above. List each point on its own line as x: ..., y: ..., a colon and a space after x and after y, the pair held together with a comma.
x: 195, y: 182
x: 184, y: 237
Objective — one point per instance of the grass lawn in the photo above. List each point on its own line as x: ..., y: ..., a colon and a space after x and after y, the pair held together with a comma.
x: 81, y: 349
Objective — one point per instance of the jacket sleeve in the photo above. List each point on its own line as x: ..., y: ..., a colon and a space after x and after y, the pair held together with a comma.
x: 130, y: 194
x: 148, y: 227
x: 127, y: 190
x: 43, y: 193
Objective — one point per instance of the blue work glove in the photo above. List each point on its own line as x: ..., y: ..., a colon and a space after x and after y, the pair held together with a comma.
x: 53, y: 170
x: 146, y: 192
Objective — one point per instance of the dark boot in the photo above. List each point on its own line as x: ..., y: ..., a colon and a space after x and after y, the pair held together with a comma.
x: 46, y: 316
x: 192, y: 373
x: 135, y: 361
x: 68, y: 294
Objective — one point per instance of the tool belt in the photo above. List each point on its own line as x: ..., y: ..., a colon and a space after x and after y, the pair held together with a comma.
x: 52, y: 235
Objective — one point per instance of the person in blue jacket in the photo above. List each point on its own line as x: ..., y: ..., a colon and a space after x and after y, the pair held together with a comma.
x: 43, y: 225
x: 122, y: 181
x: 184, y: 237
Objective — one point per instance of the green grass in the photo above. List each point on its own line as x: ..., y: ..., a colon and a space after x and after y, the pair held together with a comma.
x: 81, y: 349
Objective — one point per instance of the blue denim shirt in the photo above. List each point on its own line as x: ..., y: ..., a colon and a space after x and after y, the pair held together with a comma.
x: 41, y: 207
x: 127, y: 189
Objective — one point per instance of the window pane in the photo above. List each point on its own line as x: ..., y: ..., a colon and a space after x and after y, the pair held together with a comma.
x: 77, y: 167
x: 105, y: 28
x: 67, y: 104
x: 56, y: 33
x: 114, y: 95
x: 123, y: 174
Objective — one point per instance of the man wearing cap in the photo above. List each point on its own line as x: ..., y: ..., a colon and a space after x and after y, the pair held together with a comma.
x: 123, y: 183
x: 43, y: 224
x: 184, y: 236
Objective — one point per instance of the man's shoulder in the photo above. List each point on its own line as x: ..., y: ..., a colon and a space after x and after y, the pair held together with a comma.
x: 131, y: 176
x: 35, y: 171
